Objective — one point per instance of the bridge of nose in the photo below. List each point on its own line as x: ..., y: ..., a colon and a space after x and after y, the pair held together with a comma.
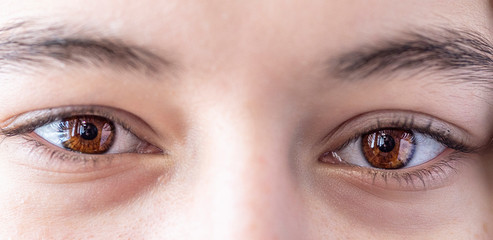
x: 244, y: 184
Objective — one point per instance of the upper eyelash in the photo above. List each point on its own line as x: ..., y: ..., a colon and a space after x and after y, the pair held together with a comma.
x: 424, y: 174
x: 24, y: 129
x: 64, y: 113
x: 404, y: 124
x: 55, y: 155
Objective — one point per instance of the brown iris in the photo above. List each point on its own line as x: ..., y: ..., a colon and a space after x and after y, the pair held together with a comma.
x: 87, y: 134
x: 388, y: 148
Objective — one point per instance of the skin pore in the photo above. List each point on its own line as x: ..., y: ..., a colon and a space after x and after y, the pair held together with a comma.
x: 241, y: 118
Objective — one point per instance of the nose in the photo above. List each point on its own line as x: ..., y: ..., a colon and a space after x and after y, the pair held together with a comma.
x: 247, y: 186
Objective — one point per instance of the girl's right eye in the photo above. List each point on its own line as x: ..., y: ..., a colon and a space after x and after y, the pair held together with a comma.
x: 90, y: 134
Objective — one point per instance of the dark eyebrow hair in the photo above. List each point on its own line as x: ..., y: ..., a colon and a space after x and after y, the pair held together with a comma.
x: 27, y: 43
x: 462, y: 54
x: 459, y: 54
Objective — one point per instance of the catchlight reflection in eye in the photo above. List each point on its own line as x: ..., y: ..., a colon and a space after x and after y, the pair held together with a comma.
x: 84, y: 134
x: 92, y: 135
x: 390, y: 149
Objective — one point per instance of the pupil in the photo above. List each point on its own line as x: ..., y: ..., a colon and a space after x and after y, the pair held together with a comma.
x: 385, y: 143
x: 88, y: 131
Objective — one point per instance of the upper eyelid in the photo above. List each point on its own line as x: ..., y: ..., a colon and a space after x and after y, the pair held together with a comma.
x: 29, y: 121
x: 371, y: 121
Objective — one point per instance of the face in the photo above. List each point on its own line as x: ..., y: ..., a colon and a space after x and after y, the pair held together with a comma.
x: 244, y: 119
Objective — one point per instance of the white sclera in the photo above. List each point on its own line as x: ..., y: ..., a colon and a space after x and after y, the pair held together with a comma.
x: 426, y: 149
x: 124, y: 141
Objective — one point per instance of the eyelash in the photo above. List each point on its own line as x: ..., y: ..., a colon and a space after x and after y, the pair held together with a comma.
x: 31, y: 126
x: 53, y: 156
x: 404, y: 124
x: 56, y: 155
x: 424, y: 173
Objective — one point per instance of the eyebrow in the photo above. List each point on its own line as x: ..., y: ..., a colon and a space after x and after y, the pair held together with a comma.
x: 29, y: 44
x: 460, y: 54
x: 463, y: 55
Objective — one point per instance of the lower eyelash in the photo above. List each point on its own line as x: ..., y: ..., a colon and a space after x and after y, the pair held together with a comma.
x: 55, y: 159
x: 426, y: 177
x: 434, y: 172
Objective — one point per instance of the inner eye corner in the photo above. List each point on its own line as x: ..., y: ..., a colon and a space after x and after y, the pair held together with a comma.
x: 330, y: 157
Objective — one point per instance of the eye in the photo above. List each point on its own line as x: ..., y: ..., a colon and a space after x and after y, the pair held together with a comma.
x: 390, y: 149
x: 92, y: 135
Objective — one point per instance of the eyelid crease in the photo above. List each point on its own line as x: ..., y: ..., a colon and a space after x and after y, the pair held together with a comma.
x: 448, y: 134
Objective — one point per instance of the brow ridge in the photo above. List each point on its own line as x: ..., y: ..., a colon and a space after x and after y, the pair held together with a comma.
x: 461, y: 54
x: 25, y: 43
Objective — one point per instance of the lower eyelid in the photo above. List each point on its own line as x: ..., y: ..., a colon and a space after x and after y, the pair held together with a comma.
x: 35, y: 162
x: 441, y: 171
x: 43, y: 157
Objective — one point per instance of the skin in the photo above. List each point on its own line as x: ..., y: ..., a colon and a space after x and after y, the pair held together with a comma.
x: 241, y: 112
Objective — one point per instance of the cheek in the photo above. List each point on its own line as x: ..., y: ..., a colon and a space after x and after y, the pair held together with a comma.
x: 357, y: 209
x: 30, y: 198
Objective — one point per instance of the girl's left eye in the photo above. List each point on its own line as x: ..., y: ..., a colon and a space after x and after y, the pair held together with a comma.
x: 92, y: 135
x: 390, y: 149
